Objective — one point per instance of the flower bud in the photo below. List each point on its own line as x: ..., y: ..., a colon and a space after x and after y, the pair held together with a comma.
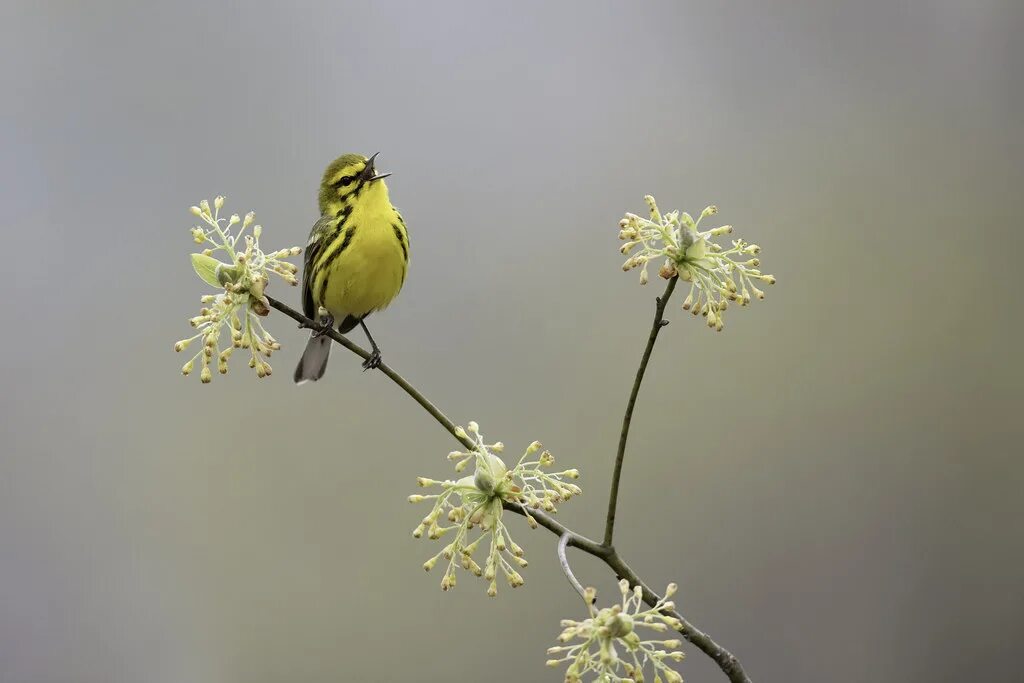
x: 261, y: 306
x: 653, y: 207
x: 218, y: 202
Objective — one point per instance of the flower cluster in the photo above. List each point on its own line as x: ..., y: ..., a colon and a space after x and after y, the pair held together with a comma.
x: 606, y: 630
x: 242, y: 302
x: 476, y: 501
x: 715, y: 273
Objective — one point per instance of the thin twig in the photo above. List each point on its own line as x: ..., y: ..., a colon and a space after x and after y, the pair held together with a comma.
x: 566, y: 569
x: 729, y: 665
x: 659, y: 322
x: 434, y: 411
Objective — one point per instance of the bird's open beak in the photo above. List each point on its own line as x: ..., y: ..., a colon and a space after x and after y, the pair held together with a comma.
x: 371, y: 171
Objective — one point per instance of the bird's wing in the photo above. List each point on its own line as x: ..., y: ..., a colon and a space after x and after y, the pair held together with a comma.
x: 314, y: 246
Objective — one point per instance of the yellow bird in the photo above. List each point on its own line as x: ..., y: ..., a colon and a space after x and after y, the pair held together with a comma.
x: 356, y: 258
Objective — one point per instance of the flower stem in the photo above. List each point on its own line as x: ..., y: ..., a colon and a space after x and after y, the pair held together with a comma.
x: 659, y: 322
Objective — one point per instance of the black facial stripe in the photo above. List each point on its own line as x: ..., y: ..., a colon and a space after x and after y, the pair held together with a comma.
x: 344, y: 181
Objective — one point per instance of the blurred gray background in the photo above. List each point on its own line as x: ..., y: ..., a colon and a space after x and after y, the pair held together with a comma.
x: 835, y: 481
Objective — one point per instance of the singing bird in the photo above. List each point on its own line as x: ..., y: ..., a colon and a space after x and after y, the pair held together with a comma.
x: 356, y: 258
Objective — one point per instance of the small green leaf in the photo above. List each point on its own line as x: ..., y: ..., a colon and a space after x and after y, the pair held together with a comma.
x: 206, y: 268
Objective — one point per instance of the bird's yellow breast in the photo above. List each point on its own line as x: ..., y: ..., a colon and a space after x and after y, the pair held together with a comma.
x: 369, y: 271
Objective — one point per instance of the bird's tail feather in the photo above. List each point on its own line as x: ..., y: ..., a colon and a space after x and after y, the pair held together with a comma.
x: 313, y: 363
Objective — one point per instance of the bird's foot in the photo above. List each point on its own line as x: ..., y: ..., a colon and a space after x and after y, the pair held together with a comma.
x: 373, y: 362
x: 323, y: 326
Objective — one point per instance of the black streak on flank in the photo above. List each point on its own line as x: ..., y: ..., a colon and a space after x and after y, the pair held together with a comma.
x: 325, y: 266
x: 323, y: 286
x: 345, y: 242
x: 401, y: 241
x: 337, y: 252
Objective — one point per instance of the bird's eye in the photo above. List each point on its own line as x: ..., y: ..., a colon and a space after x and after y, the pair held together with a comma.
x: 344, y: 181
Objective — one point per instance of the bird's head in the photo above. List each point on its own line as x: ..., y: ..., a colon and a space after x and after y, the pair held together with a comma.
x: 348, y: 178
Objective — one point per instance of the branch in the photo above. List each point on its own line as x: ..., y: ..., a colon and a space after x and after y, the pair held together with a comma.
x: 567, y: 537
x: 659, y: 322
x: 434, y: 411
x: 729, y: 665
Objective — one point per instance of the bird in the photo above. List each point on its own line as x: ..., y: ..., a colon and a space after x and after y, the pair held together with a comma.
x: 356, y: 258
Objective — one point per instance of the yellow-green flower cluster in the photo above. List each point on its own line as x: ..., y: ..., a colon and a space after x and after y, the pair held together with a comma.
x: 476, y: 502
x: 611, y: 647
x: 717, y: 275
x: 242, y: 302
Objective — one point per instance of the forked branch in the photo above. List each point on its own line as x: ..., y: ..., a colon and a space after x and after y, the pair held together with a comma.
x: 567, y: 537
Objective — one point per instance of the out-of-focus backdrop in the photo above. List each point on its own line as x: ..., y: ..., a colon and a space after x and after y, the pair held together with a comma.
x: 835, y: 481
